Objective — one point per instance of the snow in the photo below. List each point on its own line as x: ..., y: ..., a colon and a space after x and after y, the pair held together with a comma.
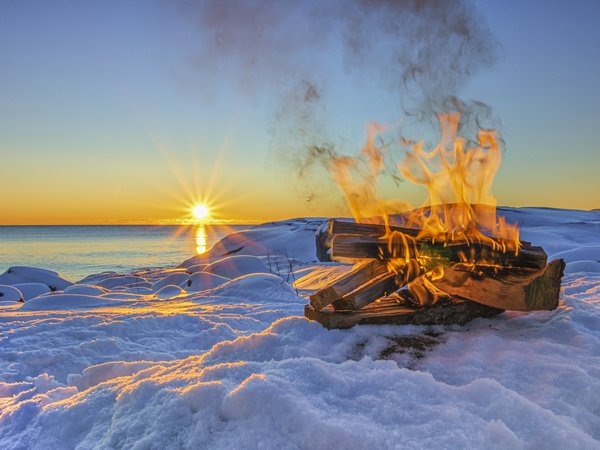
x: 31, y: 290
x: 22, y: 274
x: 201, y: 281
x: 237, y: 266
x: 217, y: 354
x: 10, y: 294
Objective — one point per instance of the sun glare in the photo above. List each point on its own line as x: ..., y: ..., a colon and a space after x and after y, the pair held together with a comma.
x: 200, y: 212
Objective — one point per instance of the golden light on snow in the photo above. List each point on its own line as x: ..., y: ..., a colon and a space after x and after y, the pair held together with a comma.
x: 200, y: 211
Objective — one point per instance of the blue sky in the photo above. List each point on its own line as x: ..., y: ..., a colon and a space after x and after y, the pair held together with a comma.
x: 109, y: 114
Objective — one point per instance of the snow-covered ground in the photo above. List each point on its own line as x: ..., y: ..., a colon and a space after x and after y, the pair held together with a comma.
x: 217, y: 354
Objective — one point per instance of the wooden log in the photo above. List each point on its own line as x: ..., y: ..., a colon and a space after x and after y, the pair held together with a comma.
x: 369, y: 292
x: 381, y: 286
x: 325, y: 234
x: 366, y: 229
x: 511, y: 289
x: 389, y: 311
x: 358, y: 276
x: 362, y: 247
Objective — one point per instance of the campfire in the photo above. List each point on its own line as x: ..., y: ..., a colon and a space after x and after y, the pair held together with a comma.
x: 449, y: 261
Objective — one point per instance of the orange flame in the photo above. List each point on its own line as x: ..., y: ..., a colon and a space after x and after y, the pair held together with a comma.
x: 460, y: 207
x: 458, y: 178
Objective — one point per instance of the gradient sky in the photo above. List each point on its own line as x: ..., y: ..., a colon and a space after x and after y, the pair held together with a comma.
x: 106, y: 116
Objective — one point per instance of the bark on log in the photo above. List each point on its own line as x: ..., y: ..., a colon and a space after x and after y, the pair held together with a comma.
x: 325, y: 234
x: 369, y: 292
x: 367, y: 247
x: 354, y: 292
x: 511, y: 289
x: 389, y: 311
x: 358, y: 276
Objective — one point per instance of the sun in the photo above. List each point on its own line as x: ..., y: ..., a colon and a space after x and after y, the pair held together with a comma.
x: 200, y: 211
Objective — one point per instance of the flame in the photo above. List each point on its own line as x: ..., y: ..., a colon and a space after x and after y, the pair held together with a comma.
x: 358, y: 178
x: 460, y: 207
x: 458, y: 178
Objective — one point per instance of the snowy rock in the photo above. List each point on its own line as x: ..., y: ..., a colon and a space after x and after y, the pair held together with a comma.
x: 10, y: 294
x: 293, y: 239
x: 85, y: 289
x: 196, y: 268
x: 31, y: 290
x: 138, y: 290
x: 203, y: 281
x: 259, y: 287
x: 237, y: 266
x: 66, y: 302
x: 24, y: 274
x: 174, y: 279
x: 169, y: 291
x: 115, y: 281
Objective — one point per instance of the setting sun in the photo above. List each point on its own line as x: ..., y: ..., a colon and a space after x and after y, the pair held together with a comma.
x: 200, y: 212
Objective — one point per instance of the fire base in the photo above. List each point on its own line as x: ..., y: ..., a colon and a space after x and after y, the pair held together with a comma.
x: 393, y: 311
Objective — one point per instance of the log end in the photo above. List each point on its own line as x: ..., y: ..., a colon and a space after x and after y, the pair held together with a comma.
x: 544, y: 292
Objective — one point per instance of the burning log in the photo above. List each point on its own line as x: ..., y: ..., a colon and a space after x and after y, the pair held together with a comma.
x: 372, y: 290
x: 371, y: 247
x: 365, y: 284
x: 481, y: 272
x: 324, y: 237
x: 352, y: 281
x: 454, y: 249
x: 514, y: 289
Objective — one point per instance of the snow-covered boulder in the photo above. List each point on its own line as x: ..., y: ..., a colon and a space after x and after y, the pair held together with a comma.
x: 203, y: 281
x: 237, y: 266
x: 31, y: 290
x: 287, y: 238
x: 196, y: 268
x: 24, y: 274
x: 169, y: 291
x: 176, y: 279
x: 85, y: 289
x: 115, y: 281
x: 259, y: 287
x: 10, y: 294
x: 67, y: 302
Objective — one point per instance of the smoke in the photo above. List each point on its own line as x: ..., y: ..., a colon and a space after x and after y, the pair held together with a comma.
x: 419, y: 52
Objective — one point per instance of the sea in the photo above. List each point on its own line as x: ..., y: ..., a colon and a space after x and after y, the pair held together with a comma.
x: 76, y: 251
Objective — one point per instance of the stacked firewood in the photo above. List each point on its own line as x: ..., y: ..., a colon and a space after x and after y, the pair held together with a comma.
x: 392, y: 277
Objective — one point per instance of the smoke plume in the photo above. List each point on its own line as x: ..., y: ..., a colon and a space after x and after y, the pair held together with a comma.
x: 419, y: 52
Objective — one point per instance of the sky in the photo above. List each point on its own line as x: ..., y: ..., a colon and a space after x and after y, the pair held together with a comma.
x: 125, y: 112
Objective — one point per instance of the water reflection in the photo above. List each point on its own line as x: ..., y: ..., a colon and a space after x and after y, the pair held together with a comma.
x: 201, y: 239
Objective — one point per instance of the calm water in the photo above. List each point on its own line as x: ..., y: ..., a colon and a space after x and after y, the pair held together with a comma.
x: 77, y: 251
